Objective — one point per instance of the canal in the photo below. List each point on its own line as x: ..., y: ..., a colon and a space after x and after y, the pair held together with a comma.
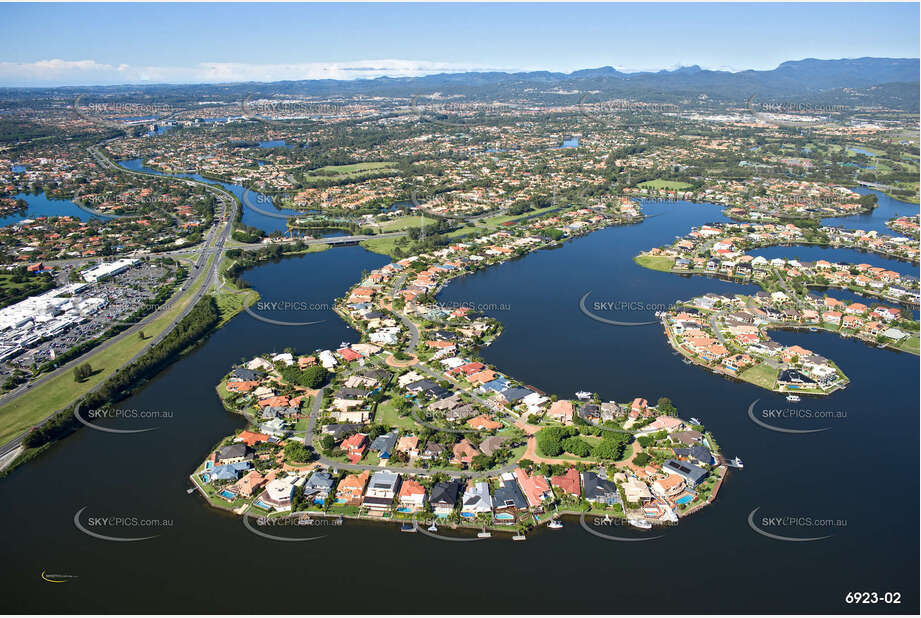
x: 854, y: 473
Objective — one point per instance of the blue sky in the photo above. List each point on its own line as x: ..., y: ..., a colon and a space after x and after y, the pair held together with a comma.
x: 122, y: 43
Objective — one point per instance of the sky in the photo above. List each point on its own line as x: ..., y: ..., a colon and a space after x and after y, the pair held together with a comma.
x: 92, y: 44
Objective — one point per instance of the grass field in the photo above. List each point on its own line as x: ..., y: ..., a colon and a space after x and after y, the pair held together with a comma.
x: 761, y: 375
x: 344, y: 171
x: 402, y: 223
x: 387, y: 415
x: 28, y: 409
x: 380, y: 245
x: 655, y: 262
x: 670, y: 185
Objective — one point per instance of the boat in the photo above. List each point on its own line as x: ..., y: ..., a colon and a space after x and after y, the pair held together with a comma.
x: 735, y: 463
x: 793, y: 398
x: 190, y: 490
x: 639, y: 523
x: 432, y: 528
x: 607, y: 519
x: 583, y: 395
x: 555, y: 524
x: 687, y: 361
x: 813, y: 330
x: 483, y: 534
x: 695, y: 421
x: 519, y: 537
x: 407, y: 527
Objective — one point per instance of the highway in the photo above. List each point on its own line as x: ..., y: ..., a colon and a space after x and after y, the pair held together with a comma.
x: 213, y: 245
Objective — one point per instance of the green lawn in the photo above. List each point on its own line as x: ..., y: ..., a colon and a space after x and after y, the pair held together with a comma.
x: 655, y: 262
x: 670, y: 185
x: 402, y: 223
x: 761, y: 375
x: 37, y: 403
x: 387, y: 415
x: 333, y: 172
x: 381, y: 245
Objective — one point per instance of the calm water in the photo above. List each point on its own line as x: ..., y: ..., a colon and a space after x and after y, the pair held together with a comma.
x: 42, y: 206
x: 854, y: 472
x: 887, y: 208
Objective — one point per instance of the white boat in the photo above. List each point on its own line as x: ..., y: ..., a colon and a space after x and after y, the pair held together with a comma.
x: 432, y: 528
x: 639, y: 523
x: 519, y: 537
x: 555, y: 524
x: 793, y: 398
x: 583, y: 395
x: 484, y: 534
x: 695, y: 421
x: 735, y: 463
x: 190, y: 490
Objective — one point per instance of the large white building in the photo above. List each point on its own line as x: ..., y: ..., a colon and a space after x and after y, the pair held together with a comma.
x: 108, y: 269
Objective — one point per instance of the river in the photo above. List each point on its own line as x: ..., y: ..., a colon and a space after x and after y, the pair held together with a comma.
x: 858, y: 472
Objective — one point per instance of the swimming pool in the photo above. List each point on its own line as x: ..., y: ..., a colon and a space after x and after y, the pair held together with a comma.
x: 684, y: 499
x: 228, y: 494
x: 504, y: 516
x: 262, y: 505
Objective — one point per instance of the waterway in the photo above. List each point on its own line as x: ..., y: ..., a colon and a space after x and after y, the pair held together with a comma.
x: 712, y: 562
x: 42, y: 206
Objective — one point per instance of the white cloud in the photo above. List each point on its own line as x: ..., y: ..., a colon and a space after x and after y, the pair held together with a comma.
x: 90, y: 72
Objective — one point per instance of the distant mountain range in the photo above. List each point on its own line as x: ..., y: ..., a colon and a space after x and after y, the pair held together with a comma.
x: 890, y: 82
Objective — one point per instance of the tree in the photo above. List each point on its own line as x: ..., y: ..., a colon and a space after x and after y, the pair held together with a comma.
x: 82, y: 372
x: 641, y: 459
x: 665, y: 406
x: 611, y: 447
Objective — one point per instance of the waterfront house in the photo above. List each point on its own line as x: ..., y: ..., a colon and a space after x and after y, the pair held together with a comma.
x: 444, y: 497
x: 670, y: 486
x: 352, y: 488
x: 412, y: 496
x: 382, y: 489
x: 249, y: 484
x: 277, y: 494
x: 319, y: 486
x: 561, y: 410
x: 535, y: 487
x: 691, y: 473
x: 635, y: 491
x: 599, y: 490
x: 696, y: 453
x: 639, y: 407
x: 508, y: 500
x: 568, y: 482
x: 476, y: 500
x: 233, y: 453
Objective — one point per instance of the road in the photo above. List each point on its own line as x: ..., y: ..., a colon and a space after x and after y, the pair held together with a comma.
x: 212, y: 245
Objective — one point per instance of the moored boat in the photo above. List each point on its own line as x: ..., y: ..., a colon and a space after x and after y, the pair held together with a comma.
x: 642, y: 524
x: 555, y: 524
x: 793, y: 398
